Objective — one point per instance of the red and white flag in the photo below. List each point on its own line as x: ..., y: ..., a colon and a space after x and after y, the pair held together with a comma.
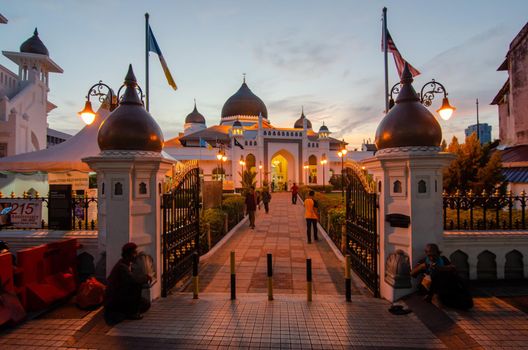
x: 398, y: 59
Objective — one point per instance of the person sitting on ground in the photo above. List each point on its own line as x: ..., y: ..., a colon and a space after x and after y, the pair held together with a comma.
x: 438, y: 276
x: 294, y: 191
x: 4, y: 248
x: 123, y: 298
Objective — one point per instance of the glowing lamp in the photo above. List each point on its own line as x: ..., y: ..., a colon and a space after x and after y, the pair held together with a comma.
x: 446, y: 111
x: 87, y: 114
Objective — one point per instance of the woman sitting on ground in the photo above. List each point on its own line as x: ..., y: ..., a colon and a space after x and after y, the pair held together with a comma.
x: 439, y: 276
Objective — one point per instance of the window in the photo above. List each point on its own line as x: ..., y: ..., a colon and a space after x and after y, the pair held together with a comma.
x: 422, y: 187
x: 397, y: 188
x: 118, y: 189
x: 142, y: 188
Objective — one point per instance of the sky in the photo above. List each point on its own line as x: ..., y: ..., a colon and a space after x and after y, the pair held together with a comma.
x: 323, y: 55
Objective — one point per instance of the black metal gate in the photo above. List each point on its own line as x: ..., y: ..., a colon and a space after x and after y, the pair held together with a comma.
x: 181, y: 227
x: 362, y: 236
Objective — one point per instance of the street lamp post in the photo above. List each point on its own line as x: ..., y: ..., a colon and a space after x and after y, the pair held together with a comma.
x: 427, y: 94
x: 323, y: 162
x: 260, y: 173
x: 97, y: 90
x: 342, y: 153
x: 306, y: 167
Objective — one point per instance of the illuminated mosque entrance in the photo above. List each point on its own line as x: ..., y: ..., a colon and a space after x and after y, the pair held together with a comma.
x: 279, y: 172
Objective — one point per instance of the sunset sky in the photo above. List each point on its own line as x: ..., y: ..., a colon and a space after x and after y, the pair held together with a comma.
x: 324, y: 55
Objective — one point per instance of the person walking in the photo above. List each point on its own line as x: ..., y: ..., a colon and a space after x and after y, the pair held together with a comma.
x: 294, y: 191
x: 310, y: 214
x: 251, y: 206
x: 266, y: 198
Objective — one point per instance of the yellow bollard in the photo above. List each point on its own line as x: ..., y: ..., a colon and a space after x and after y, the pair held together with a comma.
x: 195, y: 276
x: 233, y: 276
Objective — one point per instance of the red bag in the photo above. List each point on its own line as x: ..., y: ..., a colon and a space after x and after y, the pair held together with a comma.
x: 90, y: 293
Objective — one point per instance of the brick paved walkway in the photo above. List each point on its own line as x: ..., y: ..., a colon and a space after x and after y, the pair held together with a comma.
x: 498, y: 321
x: 282, y: 233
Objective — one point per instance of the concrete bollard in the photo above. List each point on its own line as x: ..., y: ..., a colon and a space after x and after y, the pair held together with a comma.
x: 348, y: 279
x: 270, y: 277
x: 195, y: 260
x: 233, y: 276
x: 309, y: 279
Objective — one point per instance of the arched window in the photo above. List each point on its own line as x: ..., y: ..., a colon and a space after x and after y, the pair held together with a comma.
x: 422, y: 188
x: 397, y: 187
x: 251, y: 162
x: 118, y: 189
x: 486, y: 266
x: 274, y: 133
x: 142, y: 188
x: 460, y: 260
x: 514, y: 266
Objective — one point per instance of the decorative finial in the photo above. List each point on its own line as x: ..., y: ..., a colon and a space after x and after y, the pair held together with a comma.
x: 130, y: 79
x: 35, y: 32
x: 130, y: 95
x: 406, y: 77
x: 302, y: 111
x: 244, y: 77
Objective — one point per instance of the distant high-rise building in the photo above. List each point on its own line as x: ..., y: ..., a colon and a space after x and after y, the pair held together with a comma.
x: 484, y: 131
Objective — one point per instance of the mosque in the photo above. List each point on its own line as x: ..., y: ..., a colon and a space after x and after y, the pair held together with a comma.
x: 245, y: 139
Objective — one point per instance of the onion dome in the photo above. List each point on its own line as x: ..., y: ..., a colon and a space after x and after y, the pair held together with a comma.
x: 299, y: 123
x: 130, y: 127
x: 34, y: 45
x: 323, y: 132
x: 195, y: 116
x: 244, y: 103
x: 324, y: 128
x: 408, y: 123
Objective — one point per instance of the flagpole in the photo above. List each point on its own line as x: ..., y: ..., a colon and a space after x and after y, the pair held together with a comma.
x: 385, y: 55
x: 147, y: 96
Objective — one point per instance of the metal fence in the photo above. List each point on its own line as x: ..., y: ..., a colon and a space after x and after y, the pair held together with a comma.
x: 33, y: 213
x: 485, y: 211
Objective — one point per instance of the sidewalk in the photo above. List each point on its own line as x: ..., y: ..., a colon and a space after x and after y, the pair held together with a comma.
x: 282, y: 233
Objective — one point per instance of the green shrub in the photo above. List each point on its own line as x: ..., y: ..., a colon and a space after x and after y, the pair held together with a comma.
x: 234, y: 207
x: 214, y: 218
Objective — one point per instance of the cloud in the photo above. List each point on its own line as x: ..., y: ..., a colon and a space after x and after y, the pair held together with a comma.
x: 291, y: 54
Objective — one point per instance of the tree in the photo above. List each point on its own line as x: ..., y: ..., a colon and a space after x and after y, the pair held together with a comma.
x: 475, y: 167
x: 248, y: 179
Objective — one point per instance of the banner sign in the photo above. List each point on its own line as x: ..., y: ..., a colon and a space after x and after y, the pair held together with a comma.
x: 25, y: 213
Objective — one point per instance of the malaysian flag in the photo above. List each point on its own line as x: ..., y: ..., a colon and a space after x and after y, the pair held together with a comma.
x: 398, y: 59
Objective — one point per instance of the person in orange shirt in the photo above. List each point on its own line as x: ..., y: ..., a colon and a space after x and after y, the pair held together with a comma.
x: 310, y: 214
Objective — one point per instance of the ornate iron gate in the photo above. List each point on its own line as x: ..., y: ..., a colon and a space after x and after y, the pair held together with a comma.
x: 362, y: 237
x: 181, y: 226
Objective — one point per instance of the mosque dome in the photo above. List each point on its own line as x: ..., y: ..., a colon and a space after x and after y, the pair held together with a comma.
x: 324, y: 128
x: 34, y: 45
x: 244, y: 103
x: 299, y: 123
x: 195, y: 117
x: 130, y: 127
x: 408, y: 123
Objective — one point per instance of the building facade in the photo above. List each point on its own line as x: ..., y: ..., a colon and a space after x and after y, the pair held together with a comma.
x: 512, y: 98
x: 483, y: 130
x: 245, y: 139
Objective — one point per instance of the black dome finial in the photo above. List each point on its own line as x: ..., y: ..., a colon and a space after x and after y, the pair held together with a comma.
x: 130, y: 96
x: 35, y: 32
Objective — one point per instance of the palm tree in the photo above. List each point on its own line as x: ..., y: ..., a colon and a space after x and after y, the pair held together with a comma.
x: 248, y: 179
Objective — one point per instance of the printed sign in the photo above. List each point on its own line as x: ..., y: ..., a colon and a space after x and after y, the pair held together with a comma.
x: 25, y: 213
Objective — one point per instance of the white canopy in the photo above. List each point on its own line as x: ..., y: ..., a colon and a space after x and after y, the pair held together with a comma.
x: 65, y: 156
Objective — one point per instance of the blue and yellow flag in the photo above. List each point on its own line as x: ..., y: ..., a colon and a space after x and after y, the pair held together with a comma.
x: 152, y: 46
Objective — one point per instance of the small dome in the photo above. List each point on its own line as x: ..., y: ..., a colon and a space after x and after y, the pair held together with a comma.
x: 244, y: 103
x: 408, y: 123
x: 299, y: 122
x: 195, y: 116
x: 324, y: 128
x: 237, y: 124
x: 130, y: 127
x: 34, y: 45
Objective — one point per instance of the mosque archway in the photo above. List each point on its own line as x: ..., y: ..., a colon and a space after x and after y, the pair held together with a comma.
x: 251, y: 163
x: 281, y: 178
x: 312, y: 169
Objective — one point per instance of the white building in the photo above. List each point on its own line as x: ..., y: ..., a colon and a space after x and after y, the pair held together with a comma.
x: 280, y: 155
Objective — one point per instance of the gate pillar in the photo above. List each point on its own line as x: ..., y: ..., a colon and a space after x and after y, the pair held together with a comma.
x: 130, y: 175
x: 407, y: 169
